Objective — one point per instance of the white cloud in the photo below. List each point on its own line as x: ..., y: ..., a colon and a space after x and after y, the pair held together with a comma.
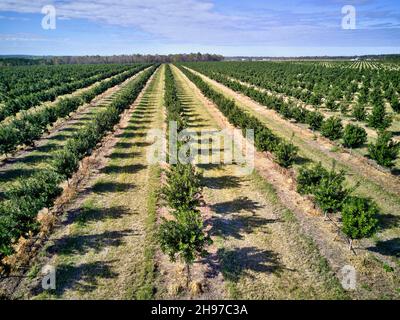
x: 193, y: 21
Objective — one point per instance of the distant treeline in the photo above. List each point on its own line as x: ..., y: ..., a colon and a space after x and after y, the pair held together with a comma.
x: 192, y: 57
x: 382, y: 57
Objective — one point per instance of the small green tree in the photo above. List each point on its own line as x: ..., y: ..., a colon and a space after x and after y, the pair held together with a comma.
x: 314, y: 119
x: 330, y: 193
x: 379, y: 119
x: 359, y: 218
x: 354, y: 136
x: 183, y: 188
x: 395, y: 103
x: 309, y: 178
x: 359, y: 112
x: 184, y: 238
x: 286, y: 154
x: 332, y: 128
x: 65, y: 163
x: 385, y: 150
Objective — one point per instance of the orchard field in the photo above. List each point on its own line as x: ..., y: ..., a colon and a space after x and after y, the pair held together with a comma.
x: 317, y: 216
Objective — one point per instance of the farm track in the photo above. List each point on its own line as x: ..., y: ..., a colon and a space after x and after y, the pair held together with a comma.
x: 383, y: 187
x: 255, y: 250
x: 324, y: 234
x: 102, y: 249
x: 29, y: 161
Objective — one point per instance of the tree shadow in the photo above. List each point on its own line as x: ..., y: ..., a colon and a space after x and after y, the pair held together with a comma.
x: 81, y: 244
x: 48, y: 147
x: 132, y: 134
x: 124, y: 169
x: 395, y: 171
x: 387, y: 247
x: 83, y: 277
x: 59, y: 137
x: 238, y: 205
x: 11, y: 174
x: 32, y: 159
x: 120, y: 155
x: 235, y: 226
x: 83, y: 216
x: 223, y: 182
x: 242, y: 261
x: 388, y: 221
x: 302, y: 161
x: 111, y: 187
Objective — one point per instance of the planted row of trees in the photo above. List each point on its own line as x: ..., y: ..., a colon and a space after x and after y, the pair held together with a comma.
x: 30, y: 126
x: 359, y: 215
x: 26, y: 197
x: 327, y: 187
x: 27, y: 101
x: 183, y: 236
x: 265, y: 140
x: 351, y: 135
x: 24, y: 80
x: 335, y: 87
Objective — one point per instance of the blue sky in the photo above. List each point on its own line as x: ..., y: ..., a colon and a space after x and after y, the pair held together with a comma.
x: 228, y: 27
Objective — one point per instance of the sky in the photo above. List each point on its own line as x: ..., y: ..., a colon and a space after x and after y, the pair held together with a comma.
x: 227, y: 27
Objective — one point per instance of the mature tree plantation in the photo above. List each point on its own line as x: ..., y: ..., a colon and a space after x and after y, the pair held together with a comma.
x: 264, y: 216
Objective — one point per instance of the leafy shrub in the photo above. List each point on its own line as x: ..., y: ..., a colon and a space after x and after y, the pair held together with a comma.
x: 379, y: 119
x: 183, y: 187
x: 285, y: 154
x: 330, y: 193
x: 332, y: 128
x: 359, y: 218
x: 395, y: 103
x: 65, y: 163
x: 354, y: 136
x: 309, y: 178
x: 315, y: 120
x: 359, y: 112
x: 385, y: 150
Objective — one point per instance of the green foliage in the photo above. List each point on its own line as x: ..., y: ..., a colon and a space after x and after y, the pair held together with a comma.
x: 359, y: 218
x: 184, y: 237
x: 354, y: 136
x: 330, y: 193
x: 395, y: 103
x: 359, y: 112
x: 379, y: 119
x: 309, y: 178
x: 315, y: 120
x: 30, y: 125
x: 25, y: 198
x: 332, y: 128
x: 385, y: 150
x: 183, y: 189
x: 65, y: 163
x: 286, y: 154
x: 265, y: 139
